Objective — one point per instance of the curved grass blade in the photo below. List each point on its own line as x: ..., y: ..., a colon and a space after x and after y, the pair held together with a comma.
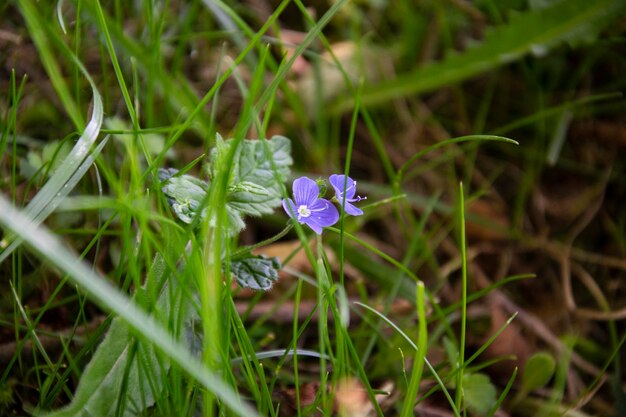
x: 414, y: 346
x: 544, y: 114
x: 532, y: 32
x: 281, y: 353
x: 58, y: 186
x: 49, y: 248
x: 420, y: 354
x: 469, y: 138
x: 38, y: 29
x: 476, y: 354
x: 502, y: 396
x: 58, y: 198
x: 60, y: 16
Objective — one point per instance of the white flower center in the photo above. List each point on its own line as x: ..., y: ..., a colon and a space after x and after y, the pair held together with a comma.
x: 303, y: 211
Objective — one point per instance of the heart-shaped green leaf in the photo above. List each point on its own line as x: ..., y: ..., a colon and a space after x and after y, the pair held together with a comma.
x: 256, y: 272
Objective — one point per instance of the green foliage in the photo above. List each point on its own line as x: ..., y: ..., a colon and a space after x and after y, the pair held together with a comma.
x: 117, y: 371
x: 6, y: 395
x: 256, y: 272
x: 124, y: 372
x: 74, y: 165
x: 538, y: 370
x: 420, y: 354
x: 479, y: 393
x: 184, y: 193
x: 49, y: 158
x: 52, y: 250
x: 258, y: 172
x: 159, y: 68
x: 536, y: 31
x: 254, y: 188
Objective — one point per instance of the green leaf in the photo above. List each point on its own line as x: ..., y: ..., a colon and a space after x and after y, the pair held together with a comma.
x: 52, y: 153
x: 255, y: 186
x: 184, y: 193
x: 250, y: 198
x: 262, y: 162
x: 256, y: 272
x: 101, y: 384
x: 480, y: 394
x: 538, y: 370
x: 124, y: 367
x: 536, y: 31
x: 48, y: 247
x: 452, y: 352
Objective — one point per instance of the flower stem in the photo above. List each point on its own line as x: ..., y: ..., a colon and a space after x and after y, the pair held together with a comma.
x: 247, y: 249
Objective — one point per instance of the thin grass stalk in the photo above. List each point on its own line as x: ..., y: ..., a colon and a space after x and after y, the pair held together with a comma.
x: 315, y: 31
x: 294, y: 342
x: 398, y: 278
x: 40, y: 33
x: 322, y: 323
x: 397, y: 183
x: 102, y: 25
x: 503, y: 395
x: 47, y: 306
x: 49, y: 248
x: 57, y: 186
x: 476, y: 354
x: 10, y: 118
x: 346, y: 172
x: 211, y: 288
x: 432, y: 370
x: 376, y: 137
x: 400, y: 266
x: 249, y: 362
x: 420, y: 354
x: 199, y: 108
x: 461, y: 354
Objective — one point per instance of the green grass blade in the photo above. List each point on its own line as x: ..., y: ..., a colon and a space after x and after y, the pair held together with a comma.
x: 455, y: 410
x: 59, y: 12
x: 420, y: 354
x: 505, y: 392
x: 447, y: 142
x: 461, y: 358
x: 280, y: 353
x: 37, y: 28
x: 49, y: 248
x: 103, y: 27
x: 9, y: 122
x: 532, y: 32
x: 58, y: 185
x: 65, y: 178
x: 61, y: 195
x: 555, y: 111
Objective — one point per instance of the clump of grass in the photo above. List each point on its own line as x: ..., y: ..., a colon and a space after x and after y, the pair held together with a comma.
x: 121, y: 298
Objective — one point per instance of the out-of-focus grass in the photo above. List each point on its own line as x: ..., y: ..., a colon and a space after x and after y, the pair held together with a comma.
x: 172, y: 74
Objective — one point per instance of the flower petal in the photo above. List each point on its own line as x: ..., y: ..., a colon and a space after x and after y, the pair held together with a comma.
x: 323, y: 213
x: 352, y: 210
x: 305, y: 191
x: 290, y: 207
x: 317, y: 228
x: 338, y: 181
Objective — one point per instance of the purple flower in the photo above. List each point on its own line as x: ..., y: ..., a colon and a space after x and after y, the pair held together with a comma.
x: 338, y: 182
x: 308, y: 208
